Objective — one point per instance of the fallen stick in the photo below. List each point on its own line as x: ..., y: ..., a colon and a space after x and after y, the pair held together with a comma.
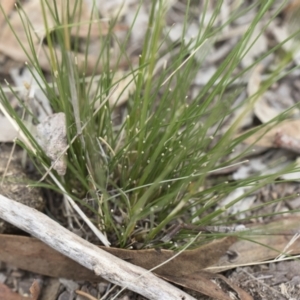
x: 88, y: 255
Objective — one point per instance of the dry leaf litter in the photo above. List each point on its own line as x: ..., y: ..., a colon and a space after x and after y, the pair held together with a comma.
x: 265, y: 281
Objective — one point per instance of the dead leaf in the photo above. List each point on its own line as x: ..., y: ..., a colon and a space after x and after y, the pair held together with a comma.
x: 266, y: 136
x: 138, y: 23
x: 275, y: 235
x: 185, y: 270
x: 51, y: 135
x: 282, y: 34
x: 274, y: 102
x: 202, y: 282
x: 264, y: 109
x: 241, y: 206
x: 254, y: 80
x: 126, y: 86
x: 35, y: 290
x: 188, y: 262
x: 10, y: 133
x: 19, y: 251
x: 7, y: 294
x: 7, y: 6
x: 10, y: 46
x: 32, y: 255
x: 253, y: 88
x: 29, y: 80
x: 259, y: 45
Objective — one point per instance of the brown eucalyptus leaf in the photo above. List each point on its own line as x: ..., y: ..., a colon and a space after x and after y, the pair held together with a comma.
x: 188, y: 262
x: 202, y: 282
x: 266, y: 136
x: 33, y: 255
x: 10, y: 45
x: 217, y: 256
x: 275, y: 235
x: 7, y: 6
x: 35, y: 290
x: 185, y: 269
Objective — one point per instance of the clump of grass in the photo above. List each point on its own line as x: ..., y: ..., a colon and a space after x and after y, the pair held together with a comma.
x: 152, y: 165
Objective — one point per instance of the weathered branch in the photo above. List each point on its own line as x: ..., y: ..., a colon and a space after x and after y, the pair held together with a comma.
x: 90, y: 256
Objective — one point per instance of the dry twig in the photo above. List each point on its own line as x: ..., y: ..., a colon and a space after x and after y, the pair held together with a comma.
x: 88, y: 255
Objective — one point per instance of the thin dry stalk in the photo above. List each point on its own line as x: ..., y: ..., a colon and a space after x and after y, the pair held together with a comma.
x: 88, y: 255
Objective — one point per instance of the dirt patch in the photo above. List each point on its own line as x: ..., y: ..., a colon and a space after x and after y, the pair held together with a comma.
x: 15, y: 184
